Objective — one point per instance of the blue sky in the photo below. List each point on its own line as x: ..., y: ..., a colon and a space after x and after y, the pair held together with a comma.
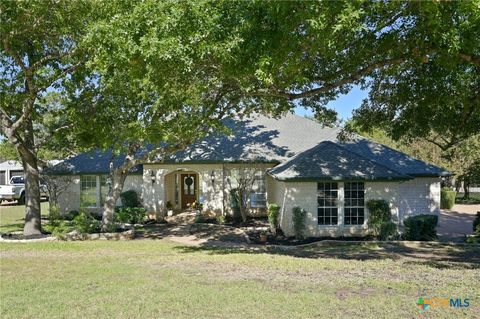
x: 344, y: 104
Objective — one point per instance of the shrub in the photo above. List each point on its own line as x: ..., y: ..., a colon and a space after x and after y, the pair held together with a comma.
x: 72, y: 214
x: 86, y: 223
x: 130, y: 215
x: 447, y: 198
x: 476, y: 223
x: 130, y: 198
x: 221, y: 219
x: 378, y: 215
x: 421, y: 227
x: 56, y: 225
x: 298, y: 217
x: 273, y: 213
x: 199, y: 219
x: 388, y: 231
x: 54, y: 217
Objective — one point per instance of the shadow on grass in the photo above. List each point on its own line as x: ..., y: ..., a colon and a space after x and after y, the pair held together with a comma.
x: 426, y: 254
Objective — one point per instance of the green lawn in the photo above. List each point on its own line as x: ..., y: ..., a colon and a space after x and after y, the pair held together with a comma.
x: 474, y: 199
x: 161, y: 279
x: 12, y: 217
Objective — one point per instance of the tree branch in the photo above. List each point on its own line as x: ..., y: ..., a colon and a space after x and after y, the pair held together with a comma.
x: 470, y: 58
x: 328, y: 87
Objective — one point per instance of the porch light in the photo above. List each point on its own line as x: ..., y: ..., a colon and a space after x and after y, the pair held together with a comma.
x: 212, y: 177
x: 152, y: 174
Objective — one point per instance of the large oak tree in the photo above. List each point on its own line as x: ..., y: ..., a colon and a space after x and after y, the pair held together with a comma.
x: 39, y: 53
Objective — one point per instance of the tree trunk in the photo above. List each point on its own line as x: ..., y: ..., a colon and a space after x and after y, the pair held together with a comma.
x: 117, y: 178
x: 466, y: 188
x: 243, y: 205
x: 29, y: 158
x: 32, y: 198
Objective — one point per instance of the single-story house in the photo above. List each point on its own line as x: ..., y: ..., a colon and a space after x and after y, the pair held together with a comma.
x: 295, y: 162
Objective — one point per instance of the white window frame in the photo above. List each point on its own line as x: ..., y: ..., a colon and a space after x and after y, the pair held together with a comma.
x: 337, y: 206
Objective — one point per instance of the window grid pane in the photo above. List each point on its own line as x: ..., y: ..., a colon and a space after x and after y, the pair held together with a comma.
x: 354, y: 213
x: 327, y: 199
x: 88, y: 191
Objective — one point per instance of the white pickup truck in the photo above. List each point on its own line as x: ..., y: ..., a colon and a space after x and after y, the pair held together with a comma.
x: 15, y: 190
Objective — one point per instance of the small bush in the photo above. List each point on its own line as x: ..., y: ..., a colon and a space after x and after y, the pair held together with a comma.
x: 86, y: 223
x: 476, y: 223
x: 273, y: 214
x: 130, y: 215
x: 388, y: 231
x: 221, y: 219
x: 54, y: 217
x: 72, y: 214
x: 378, y: 215
x: 447, y: 198
x: 199, y: 219
x: 298, y: 217
x: 130, y: 198
x: 421, y: 227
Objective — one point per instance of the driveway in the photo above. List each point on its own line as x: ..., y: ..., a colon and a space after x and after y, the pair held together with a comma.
x: 454, y: 224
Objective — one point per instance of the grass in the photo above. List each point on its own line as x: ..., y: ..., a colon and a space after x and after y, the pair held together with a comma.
x: 474, y: 199
x: 12, y: 217
x: 162, y: 279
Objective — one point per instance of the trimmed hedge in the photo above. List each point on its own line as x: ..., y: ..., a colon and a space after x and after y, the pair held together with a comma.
x: 447, y: 198
x: 130, y: 215
x: 421, y: 227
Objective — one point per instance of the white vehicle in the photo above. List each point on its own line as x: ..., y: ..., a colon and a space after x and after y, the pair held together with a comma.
x: 15, y: 190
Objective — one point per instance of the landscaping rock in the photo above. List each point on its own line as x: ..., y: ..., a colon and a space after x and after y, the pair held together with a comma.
x: 126, y: 235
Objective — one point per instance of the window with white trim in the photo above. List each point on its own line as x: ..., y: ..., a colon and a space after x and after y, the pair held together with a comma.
x: 88, y: 191
x: 354, y: 209
x: 327, y: 199
x: 258, y: 197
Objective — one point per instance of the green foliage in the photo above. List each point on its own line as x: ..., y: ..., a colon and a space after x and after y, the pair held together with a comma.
x: 130, y: 215
x: 199, y: 219
x: 378, y: 215
x: 130, y: 198
x: 85, y: 223
x: 273, y: 214
x: 56, y: 225
x: 447, y: 198
x: 298, y: 218
x: 476, y: 223
x: 388, y: 231
x: 221, y: 219
x: 421, y: 227
x: 72, y: 214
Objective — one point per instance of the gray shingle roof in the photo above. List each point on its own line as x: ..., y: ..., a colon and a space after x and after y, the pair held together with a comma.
x: 260, y: 138
x: 94, y: 162
x: 331, y: 161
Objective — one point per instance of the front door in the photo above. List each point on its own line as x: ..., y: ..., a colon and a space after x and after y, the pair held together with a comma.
x: 189, y: 189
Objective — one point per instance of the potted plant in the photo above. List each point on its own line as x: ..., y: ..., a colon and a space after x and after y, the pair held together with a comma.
x: 263, y: 236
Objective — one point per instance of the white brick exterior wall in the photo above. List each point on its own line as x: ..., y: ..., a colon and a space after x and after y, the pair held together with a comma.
x: 414, y: 197
x: 70, y: 199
